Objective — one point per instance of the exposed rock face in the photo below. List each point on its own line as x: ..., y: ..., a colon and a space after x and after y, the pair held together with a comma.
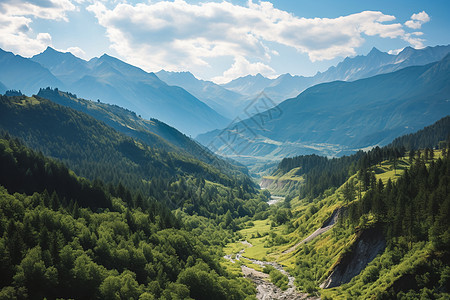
x: 368, y: 244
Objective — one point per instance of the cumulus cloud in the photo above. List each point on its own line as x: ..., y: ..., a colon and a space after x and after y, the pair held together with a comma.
x: 242, y: 66
x: 417, y: 20
x: 178, y: 35
x: 16, y: 33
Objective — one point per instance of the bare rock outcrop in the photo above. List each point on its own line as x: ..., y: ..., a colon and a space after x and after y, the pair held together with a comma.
x: 368, y: 244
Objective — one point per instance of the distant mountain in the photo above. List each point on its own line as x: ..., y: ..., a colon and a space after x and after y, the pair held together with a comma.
x: 377, y: 62
x: 20, y: 73
x: 66, y: 66
x: 114, y: 81
x: 249, y: 85
x: 226, y: 102
x: 338, y: 117
x: 350, y: 69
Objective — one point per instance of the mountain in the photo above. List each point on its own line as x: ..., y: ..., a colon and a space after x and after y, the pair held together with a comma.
x: 22, y: 74
x: 96, y: 151
x: 226, y: 102
x: 287, y: 86
x: 338, y: 117
x: 113, y: 81
x: 152, y: 132
x: 350, y: 69
x: 66, y: 66
x: 249, y: 85
x: 377, y: 62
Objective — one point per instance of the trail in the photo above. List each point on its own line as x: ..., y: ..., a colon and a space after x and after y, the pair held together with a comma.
x: 327, y: 226
x: 266, y: 290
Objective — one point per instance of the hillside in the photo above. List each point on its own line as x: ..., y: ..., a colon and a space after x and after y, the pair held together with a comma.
x: 152, y: 132
x: 382, y: 232
x: 96, y: 151
x: 58, y: 240
x: 116, y: 82
x: 322, y: 119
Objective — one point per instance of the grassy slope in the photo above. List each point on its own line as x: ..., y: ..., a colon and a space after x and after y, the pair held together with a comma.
x: 283, y: 184
x: 311, y: 262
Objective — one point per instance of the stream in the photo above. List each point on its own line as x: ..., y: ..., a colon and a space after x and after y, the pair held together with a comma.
x: 275, y: 199
x: 265, y: 289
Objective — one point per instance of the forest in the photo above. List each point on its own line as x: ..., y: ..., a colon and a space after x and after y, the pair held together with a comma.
x: 62, y: 236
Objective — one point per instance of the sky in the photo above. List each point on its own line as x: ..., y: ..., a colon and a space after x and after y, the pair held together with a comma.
x: 223, y: 40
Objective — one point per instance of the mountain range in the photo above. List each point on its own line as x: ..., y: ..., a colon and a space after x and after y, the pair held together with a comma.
x: 339, y: 117
x: 351, y: 68
x: 113, y: 81
x: 231, y: 99
x: 179, y: 99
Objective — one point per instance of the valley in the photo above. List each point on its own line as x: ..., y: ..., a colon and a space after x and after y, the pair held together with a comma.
x: 121, y: 183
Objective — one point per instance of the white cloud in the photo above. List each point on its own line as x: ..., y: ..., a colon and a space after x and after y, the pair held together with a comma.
x: 395, y: 51
x: 178, y: 35
x: 417, y: 20
x: 422, y: 17
x: 77, y: 51
x: 241, y: 67
x: 414, y: 41
x: 16, y: 17
x: 44, y: 9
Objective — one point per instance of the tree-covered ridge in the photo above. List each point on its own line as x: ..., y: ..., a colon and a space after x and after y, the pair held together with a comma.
x: 54, y: 245
x: 429, y: 137
x: 96, y: 151
x: 148, y: 131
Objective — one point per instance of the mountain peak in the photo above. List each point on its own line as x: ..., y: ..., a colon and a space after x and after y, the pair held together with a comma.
x: 52, y: 52
x: 50, y: 49
x: 106, y: 57
x: 407, y: 50
x: 374, y: 51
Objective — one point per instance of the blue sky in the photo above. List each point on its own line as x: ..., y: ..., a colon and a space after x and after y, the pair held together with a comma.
x: 222, y: 40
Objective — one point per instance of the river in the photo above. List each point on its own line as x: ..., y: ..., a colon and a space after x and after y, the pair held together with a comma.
x: 266, y: 290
